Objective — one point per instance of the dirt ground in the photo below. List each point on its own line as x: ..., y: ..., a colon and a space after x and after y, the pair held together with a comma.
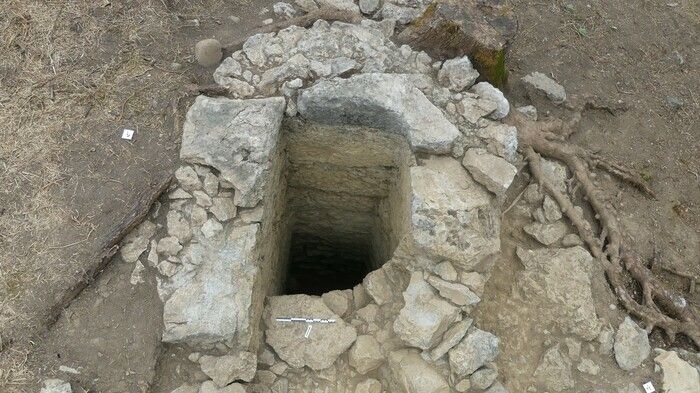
x: 73, y: 76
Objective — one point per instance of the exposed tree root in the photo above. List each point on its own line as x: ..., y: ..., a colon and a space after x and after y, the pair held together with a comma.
x: 659, y: 306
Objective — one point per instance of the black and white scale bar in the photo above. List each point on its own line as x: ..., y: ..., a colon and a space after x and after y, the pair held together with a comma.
x: 304, y: 320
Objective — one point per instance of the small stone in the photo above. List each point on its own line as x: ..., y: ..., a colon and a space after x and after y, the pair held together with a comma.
x: 284, y: 9
x: 679, y: 375
x: 178, y: 226
x: 168, y: 268
x: 279, y: 368
x: 337, y: 301
x: 546, y: 234
x: 483, y: 378
x: 55, y: 386
x: 452, y: 337
x: 187, y: 388
x: 377, y: 286
x: 228, y: 368
x: 198, y: 216
x: 202, y: 198
x: 497, y: 387
x: 208, y: 52
x: 306, y: 5
x: 360, y: 296
x: 457, y: 74
x: 211, y: 387
x: 631, y: 345
x: 493, y: 172
x: 456, y: 293
x: 136, y: 242
x: 528, y: 111
x: 463, y: 385
x: 137, y: 273
x: 414, y: 374
x: 368, y: 313
x: 474, y: 351
x: 588, y: 366
x: 532, y: 194
x: 574, y: 347
x: 368, y: 385
x: 152, y: 257
x: 267, y: 21
x: 368, y: 7
x: 446, y: 271
x: 540, y: 82
x: 606, y: 338
x: 629, y: 388
x: 194, y: 357
x: 168, y: 246
x: 474, y: 281
x: 211, y: 228
x: 179, y: 193
x: 211, y: 184
x: 265, y: 377
x: 552, y: 212
x: 538, y: 215
x: 280, y: 386
x: 674, y: 103
x: 188, y: 179
x: 554, y: 371
x: 250, y: 216
x: 365, y: 354
x: 486, y: 91
x: 223, y: 209
x: 571, y: 240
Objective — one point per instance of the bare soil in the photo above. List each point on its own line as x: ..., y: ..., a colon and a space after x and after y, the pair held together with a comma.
x: 73, y: 76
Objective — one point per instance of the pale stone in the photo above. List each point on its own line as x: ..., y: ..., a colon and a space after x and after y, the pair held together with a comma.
x: 325, y: 342
x: 560, y: 280
x: 501, y: 139
x: 202, y: 199
x: 492, y: 171
x: 456, y: 293
x: 474, y: 351
x: 474, y: 281
x: 547, y: 233
x: 187, y: 388
x: 211, y: 184
x: 385, y: 101
x: 188, y: 179
x: 360, y: 296
x: 242, y: 157
x: 486, y: 91
x: 179, y: 193
x: 211, y: 228
x: 223, y: 209
x: 365, y: 355
x: 337, y: 301
x: 377, y: 286
x: 208, y: 52
x: 137, y: 274
x: 446, y: 271
x: 211, y: 387
x: 169, y: 246
x: 214, y: 305
x: 588, y: 366
x: 457, y: 74
x: 678, y: 375
x: 425, y: 316
x: 452, y: 337
x: 136, y: 242
x: 552, y: 212
x: 178, y: 226
x: 55, y: 386
x: 540, y: 82
x: 631, y: 345
x: 369, y: 385
x: 554, y: 371
x: 483, y: 378
x: 415, y: 375
x: 198, y: 216
x: 369, y: 6
x: 228, y: 368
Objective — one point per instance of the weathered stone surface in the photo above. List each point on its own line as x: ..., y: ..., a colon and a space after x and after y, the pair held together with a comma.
x: 211, y: 227
x: 210, y: 387
x: 483, y: 378
x: 455, y: 293
x: 237, y: 137
x: 385, y: 101
x: 455, y: 28
x: 56, y: 386
x: 136, y: 242
x: 452, y: 217
x: 168, y: 246
x: 559, y: 280
x: 214, y: 305
x: 378, y: 287
x: 325, y: 342
x: 187, y: 388
x: 446, y: 271
x: 502, y: 140
x: 178, y: 226
x: 365, y: 355
x: 223, y: 209
x: 474, y: 351
x: 497, y: 387
x: 679, y: 375
x: 284, y: 9
x: 208, y: 52
x: 493, y: 172
x: 370, y: 385
x: 403, y: 11
x: 452, y: 337
x: 554, y: 370
x: 631, y: 345
x: 425, y: 316
x: 541, y: 83
x: 457, y: 74
x: 228, y: 368
x: 474, y: 281
x: 338, y: 301
x: 412, y: 374
x: 187, y: 178
x: 486, y: 91
x: 546, y: 233
x: 368, y: 6
x: 552, y: 212
x: 588, y: 366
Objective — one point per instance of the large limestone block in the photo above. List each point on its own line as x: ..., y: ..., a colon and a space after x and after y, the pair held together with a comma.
x: 494, y: 172
x: 412, y: 374
x: 214, y: 305
x: 325, y: 341
x: 385, y: 101
x: 425, y: 315
x: 559, y: 282
x: 452, y: 216
x: 237, y: 137
x: 679, y: 375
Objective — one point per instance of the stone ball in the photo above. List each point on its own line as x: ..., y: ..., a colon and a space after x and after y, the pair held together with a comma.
x: 208, y: 52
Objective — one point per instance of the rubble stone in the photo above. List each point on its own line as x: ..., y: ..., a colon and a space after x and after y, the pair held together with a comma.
x: 365, y: 354
x: 228, y: 368
x: 631, y: 345
x: 473, y: 352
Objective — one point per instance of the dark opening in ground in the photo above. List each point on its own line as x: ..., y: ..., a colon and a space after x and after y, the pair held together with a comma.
x: 317, y: 266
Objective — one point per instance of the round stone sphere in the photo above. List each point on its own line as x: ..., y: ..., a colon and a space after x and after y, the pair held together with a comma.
x: 208, y: 52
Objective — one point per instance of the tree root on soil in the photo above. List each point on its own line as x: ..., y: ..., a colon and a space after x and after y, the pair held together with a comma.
x: 659, y: 306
